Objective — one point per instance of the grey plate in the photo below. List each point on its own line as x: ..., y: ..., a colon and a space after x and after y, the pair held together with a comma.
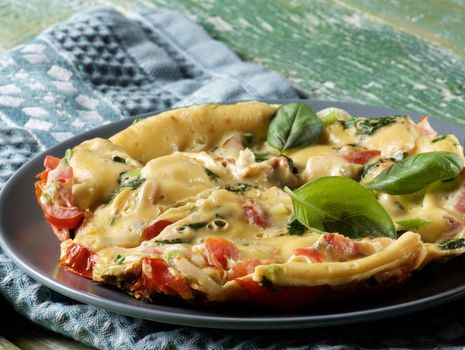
x: 29, y: 242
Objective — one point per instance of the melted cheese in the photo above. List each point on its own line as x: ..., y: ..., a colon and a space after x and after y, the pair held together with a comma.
x: 200, y: 176
x: 96, y: 173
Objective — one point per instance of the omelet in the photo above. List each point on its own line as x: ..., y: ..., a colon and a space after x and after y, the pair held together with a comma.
x: 252, y: 202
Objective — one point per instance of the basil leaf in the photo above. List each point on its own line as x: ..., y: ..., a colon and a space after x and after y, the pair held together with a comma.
x: 414, y: 173
x: 339, y: 204
x: 294, y: 125
x: 412, y: 223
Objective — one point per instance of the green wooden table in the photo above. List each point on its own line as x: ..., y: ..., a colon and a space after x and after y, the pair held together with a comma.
x: 407, y: 54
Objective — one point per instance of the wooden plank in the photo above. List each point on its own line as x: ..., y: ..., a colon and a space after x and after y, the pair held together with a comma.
x: 440, y: 23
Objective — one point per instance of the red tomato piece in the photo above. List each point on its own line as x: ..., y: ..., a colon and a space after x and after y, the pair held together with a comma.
x: 359, y: 156
x: 255, y: 214
x: 63, y: 217
x: 219, y: 250
x: 51, y: 162
x: 311, y: 253
x: 283, y: 297
x: 156, y: 277
x: 79, y: 259
x: 243, y: 268
x: 154, y: 229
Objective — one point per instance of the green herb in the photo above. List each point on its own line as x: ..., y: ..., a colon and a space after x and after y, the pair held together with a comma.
x: 247, y: 139
x: 266, y: 282
x: 415, y: 172
x: 118, y: 159
x: 112, y: 221
x: 239, y: 187
x: 412, y: 223
x: 271, y: 271
x: 295, y: 228
x: 367, y: 126
x: 367, y: 168
x: 455, y: 243
x: 196, y: 225
x: 137, y: 120
x: 261, y: 157
x: 330, y: 119
x: 340, y: 204
x: 119, y: 259
x: 173, y: 254
x: 68, y: 155
x: 439, y: 138
x: 294, y: 125
x: 169, y: 241
x: 131, y: 179
x: 291, y: 165
x: 211, y: 174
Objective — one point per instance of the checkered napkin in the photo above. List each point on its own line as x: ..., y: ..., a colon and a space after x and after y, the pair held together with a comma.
x: 100, y: 67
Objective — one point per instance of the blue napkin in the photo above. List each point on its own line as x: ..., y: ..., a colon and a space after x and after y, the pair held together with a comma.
x: 99, y: 67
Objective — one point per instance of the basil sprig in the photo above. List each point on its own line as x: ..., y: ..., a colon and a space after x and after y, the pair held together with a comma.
x: 339, y: 204
x: 414, y: 173
x: 294, y: 125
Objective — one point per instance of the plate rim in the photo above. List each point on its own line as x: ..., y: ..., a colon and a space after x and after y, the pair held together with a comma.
x: 211, y: 321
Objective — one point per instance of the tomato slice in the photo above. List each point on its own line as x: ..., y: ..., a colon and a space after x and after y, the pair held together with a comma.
x: 79, y: 260
x: 63, y: 217
x: 359, y: 156
x: 243, y: 268
x: 283, y: 297
x: 311, y: 253
x: 51, y: 162
x: 155, y: 229
x: 219, y: 250
x: 255, y: 214
x: 156, y: 277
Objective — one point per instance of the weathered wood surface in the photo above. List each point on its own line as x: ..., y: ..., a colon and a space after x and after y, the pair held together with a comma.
x: 407, y: 54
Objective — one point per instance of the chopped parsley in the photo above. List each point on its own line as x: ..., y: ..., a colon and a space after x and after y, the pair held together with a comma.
x: 131, y: 179
x: 119, y: 259
x: 368, y: 126
x: 439, y: 138
x: 211, y: 174
x: 170, y: 241
x: 455, y: 243
x: 238, y: 188
x: 295, y: 228
x: 118, y: 159
x: 196, y: 225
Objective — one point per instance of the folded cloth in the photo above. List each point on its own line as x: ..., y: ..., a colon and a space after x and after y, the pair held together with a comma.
x: 99, y: 67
